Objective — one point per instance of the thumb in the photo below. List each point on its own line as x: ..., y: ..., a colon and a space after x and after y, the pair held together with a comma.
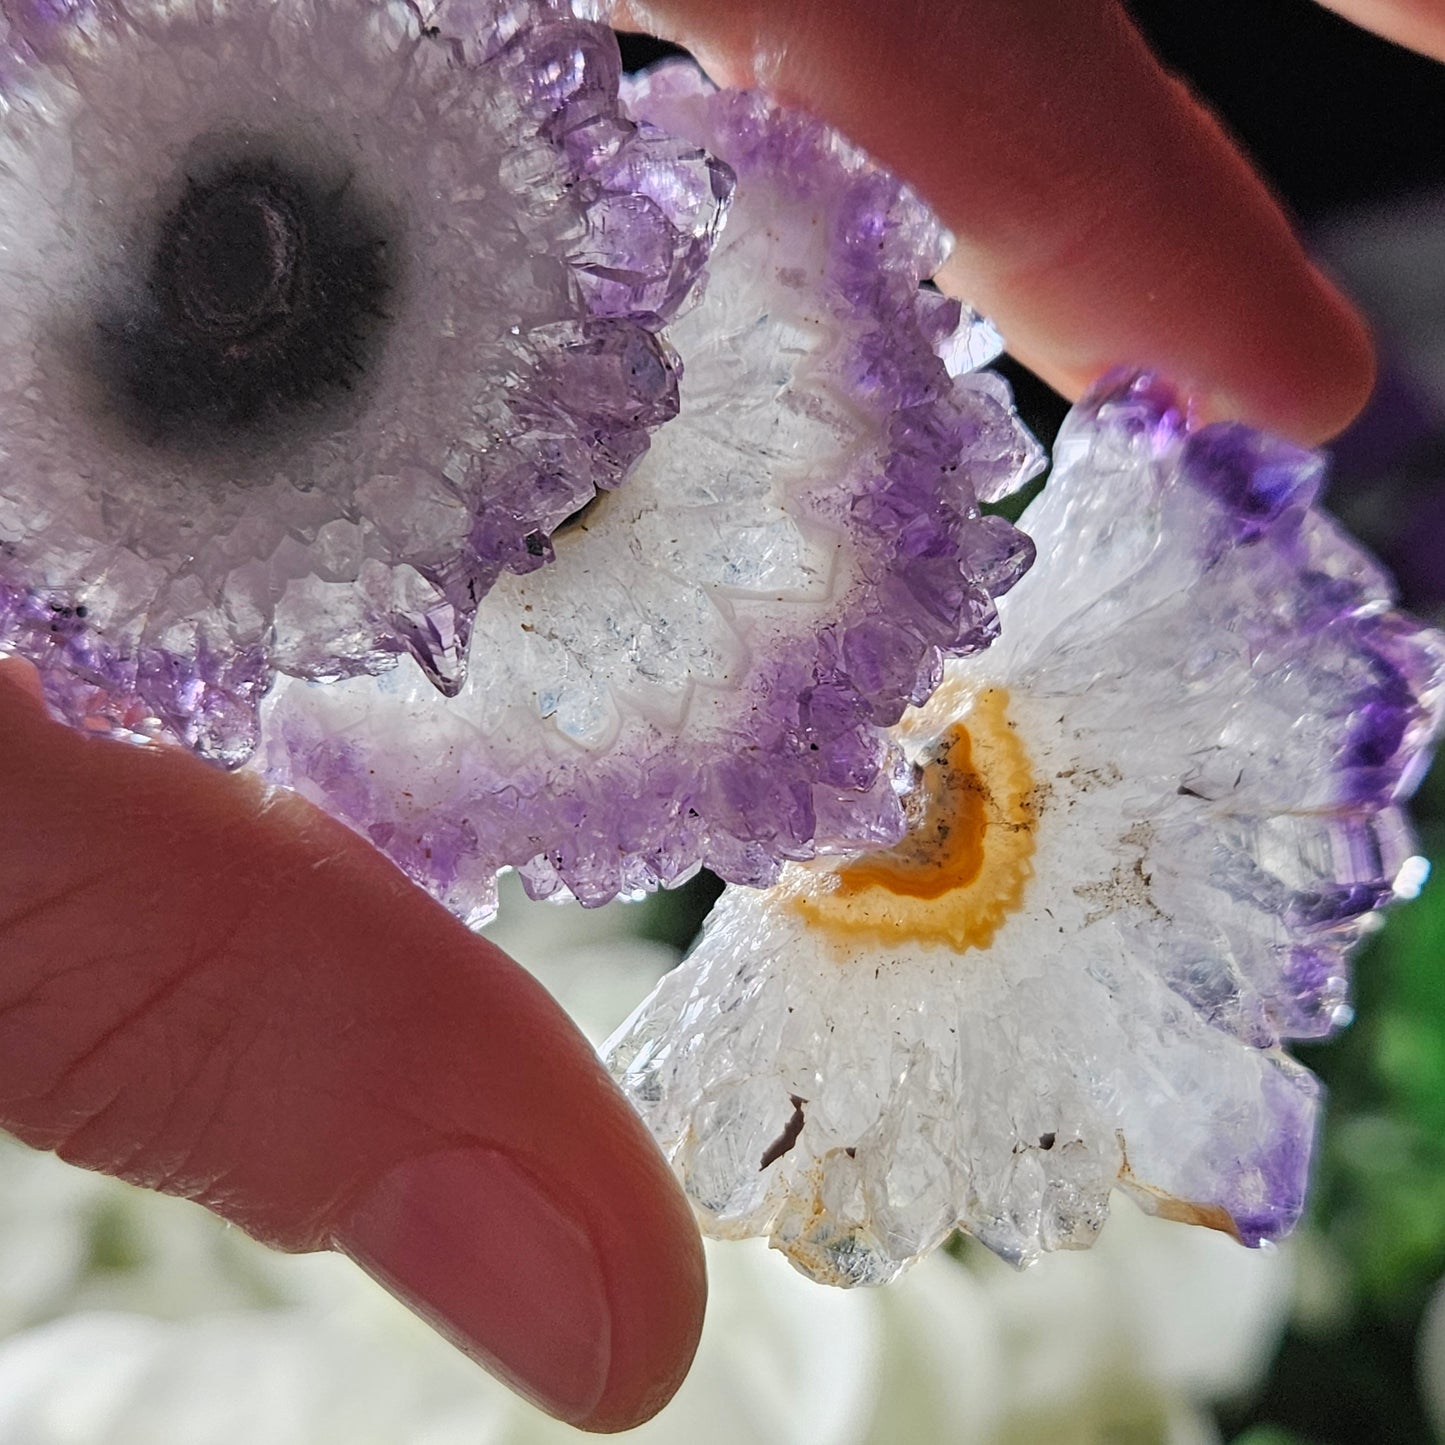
x: 211, y: 989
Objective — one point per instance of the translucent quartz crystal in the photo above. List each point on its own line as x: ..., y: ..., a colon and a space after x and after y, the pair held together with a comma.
x: 1146, y: 829
x: 315, y: 316
x: 705, y: 670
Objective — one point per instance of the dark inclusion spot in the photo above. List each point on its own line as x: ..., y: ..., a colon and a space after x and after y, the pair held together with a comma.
x: 265, y: 299
x: 576, y: 521
x: 785, y: 1141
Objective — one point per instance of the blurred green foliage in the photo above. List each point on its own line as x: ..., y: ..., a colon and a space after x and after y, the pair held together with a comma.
x: 1270, y: 1435
x: 1381, y: 1186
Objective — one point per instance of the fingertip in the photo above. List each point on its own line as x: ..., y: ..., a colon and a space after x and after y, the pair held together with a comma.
x: 581, y: 1284
x: 1416, y: 24
x: 479, y: 1248
x: 658, y: 1297
x: 548, y: 1238
x: 1103, y: 215
x: 347, y: 1048
x: 657, y: 1310
x: 1323, y: 381
x: 505, y: 1259
x: 1243, y: 321
x: 1307, y: 380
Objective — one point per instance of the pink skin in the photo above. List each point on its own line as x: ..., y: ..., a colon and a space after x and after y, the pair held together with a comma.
x: 221, y: 993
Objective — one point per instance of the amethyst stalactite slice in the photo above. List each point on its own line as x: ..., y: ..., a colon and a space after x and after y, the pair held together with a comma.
x: 318, y: 318
x: 705, y: 670
x: 1146, y: 830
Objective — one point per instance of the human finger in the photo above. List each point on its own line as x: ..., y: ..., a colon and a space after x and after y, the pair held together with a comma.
x: 1417, y: 24
x: 1102, y: 215
x: 210, y: 988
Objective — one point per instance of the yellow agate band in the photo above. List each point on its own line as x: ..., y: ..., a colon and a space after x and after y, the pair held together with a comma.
x: 967, y: 858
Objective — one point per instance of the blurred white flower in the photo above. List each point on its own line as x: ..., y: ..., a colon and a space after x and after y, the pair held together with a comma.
x: 292, y: 1377
x: 1150, y: 1325
x: 1144, y: 1333
x: 44, y: 1244
x: 781, y: 1364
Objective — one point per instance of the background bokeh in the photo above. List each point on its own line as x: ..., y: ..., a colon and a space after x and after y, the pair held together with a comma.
x: 125, y: 1318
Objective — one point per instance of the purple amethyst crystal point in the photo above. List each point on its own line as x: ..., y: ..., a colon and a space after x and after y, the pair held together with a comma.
x: 1256, y: 477
x: 703, y: 670
x: 1147, y: 827
x: 317, y: 319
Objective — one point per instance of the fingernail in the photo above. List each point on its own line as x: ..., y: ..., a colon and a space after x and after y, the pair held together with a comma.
x: 475, y: 1246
